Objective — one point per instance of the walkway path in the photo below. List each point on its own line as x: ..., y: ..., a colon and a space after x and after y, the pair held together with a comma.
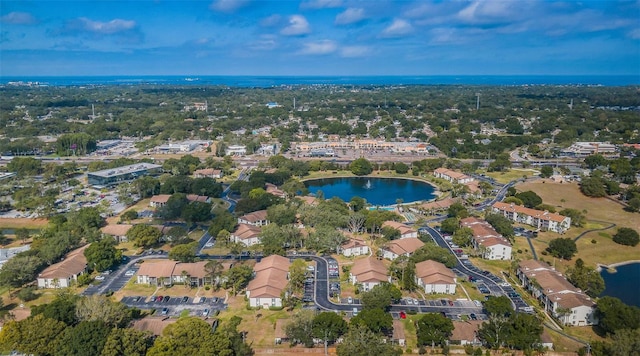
x: 598, y: 229
x: 533, y: 250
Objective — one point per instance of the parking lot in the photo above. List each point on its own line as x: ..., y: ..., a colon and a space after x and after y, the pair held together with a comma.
x: 174, y: 306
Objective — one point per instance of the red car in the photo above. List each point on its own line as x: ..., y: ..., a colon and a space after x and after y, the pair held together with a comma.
x: 403, y: 315
x: 159, y: 298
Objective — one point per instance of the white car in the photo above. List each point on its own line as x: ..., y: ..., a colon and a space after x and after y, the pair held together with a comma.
x: 130, y: 273
x: 99, y: 278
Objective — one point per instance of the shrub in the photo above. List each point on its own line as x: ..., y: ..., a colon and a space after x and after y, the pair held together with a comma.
x: 626, y: 236
x: 207, y: 288
x: 593, y: 241
x: 273, y: 307
x: 28, y: 294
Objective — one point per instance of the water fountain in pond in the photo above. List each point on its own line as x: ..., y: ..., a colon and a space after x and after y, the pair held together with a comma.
x: 368, y: 184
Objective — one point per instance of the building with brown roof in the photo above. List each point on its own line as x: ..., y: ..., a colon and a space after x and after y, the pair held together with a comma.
x: 247, y: 235
x: 158, y: 201
x: 208, y: 173
x: 256, y: 218
x: 369, y: 272
x: 166, y: 272
x: 280, y: 334
x: 401, y: 247
x: 398, y: 336
x: 465, y: 332
x: 435, y: 277
x: 66, y: 272
x: 558, y: 297
x: 270, y: 280
x: 273, y: 189
x: 199, y: 198
x: 354, y: 247
x: 452, y: 176
x: 156, y: 325
x: 542, y: 220
x: 434, y: 207
x: 117, y: 231
x: 487, y: 240
x: 405, y: 231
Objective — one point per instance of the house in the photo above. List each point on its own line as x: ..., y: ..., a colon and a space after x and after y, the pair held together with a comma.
x: 166, y: 273
x: 274, y: 190
x: 398, y: 336
x: 208, y: 173
x: 435, y: 277
x: 198, y: 198
x: 543, y: 220
x: 434, y: 207
x: 354, y: 247
x: 247, y: 235
x: 158, y: 201
x: 487, y: 240
x: 558, y: 297
x: 465, y: 332
x: 270, y: 280
x: 256, y: 218
x: 236, y: 150
x: 452, y: 176
x: 368, y: 272
x: 545, y: 340
x: 117, y: 231
x: 401, y: 247
x: 156, y: 273
x: 65, y: 272
x: 405, y: 231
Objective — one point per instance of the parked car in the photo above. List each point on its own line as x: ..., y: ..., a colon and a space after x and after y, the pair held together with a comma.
x: 166, y: 298
x: 185, y: 299
x: 350, y: 300
x: 165, y: 311
x: 205, y: 312
x: 159, y: 298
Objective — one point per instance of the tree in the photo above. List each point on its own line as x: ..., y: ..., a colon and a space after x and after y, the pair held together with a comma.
x: 62, y: 308
x: 356, y: 223
x: 300, y: 329
x: 19, y: 270
x: 357, y: 203
x: 238, y: 277
x: 129, y: 215
x: 594, y: 161
x: 593, y: 187
x: 223, y: 220
x: 35, y: 335
x: 494, y: 332
x: 101, y: 308
x: 376, y: 320
x: 22, y: 234
x: 196, y: 212
x: 563, y: 248
x: 400, y: 167
x: 501, y: 224
x: 529, y: 198
x: 184, y: 252
x: 498, y: 306
x: 144, y: 235
x: 361, y: 167
x: 626, y: 236
x: 462, y: 236
x: 191, y: 336
x: 213, y: 270
x: 390, y: 233
x: 450, y: 225
x: 524, y: 331
x: 206, y: 186
x: 360, y: 341
x: 127, y: 341
x: 174, y: 207
x: 433, y: 328
x: 546, y: 171
x: 457, y: 210
x: 586, y: 278
x: 281, y: 214
x: 614, y: 315
x: 27, y: 294
x: 297, y: 275
x: 86, y: 338
x: 577, y: 217
x: 328, y: 326
x: 380, y: 296
x: 103, y: 255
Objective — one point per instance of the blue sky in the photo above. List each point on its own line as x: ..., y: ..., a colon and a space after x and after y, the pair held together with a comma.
x: 319, y: 37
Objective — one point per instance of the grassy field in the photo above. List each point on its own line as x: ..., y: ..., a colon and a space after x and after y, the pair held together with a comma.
x: 18, y: 223
x: 600, y: 212
x: 512, y: 174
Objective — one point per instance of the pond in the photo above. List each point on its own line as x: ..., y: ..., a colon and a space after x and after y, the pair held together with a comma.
x: 377, y: 191
x: 623, y: 284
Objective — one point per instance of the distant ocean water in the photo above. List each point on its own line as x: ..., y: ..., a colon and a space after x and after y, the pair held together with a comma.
x: 274, y: 81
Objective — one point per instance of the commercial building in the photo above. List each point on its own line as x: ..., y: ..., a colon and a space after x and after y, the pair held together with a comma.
x: 543, y: 220
x: 584, y: 149
x: 114, y: 176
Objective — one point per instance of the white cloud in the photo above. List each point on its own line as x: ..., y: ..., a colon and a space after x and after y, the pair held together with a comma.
x: 634, y: 34
x: 349, y: 16
x: 319, y: 47
x: 271, y: 21
x: 227, y: 5
x: 479, y: 12
x: 398, y: 28
x: 104, y: 28
x: 298, y: 25
x: 264, y: 43
x: 321, y: 4
x: 355, y: 51
x: 18, y: 18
